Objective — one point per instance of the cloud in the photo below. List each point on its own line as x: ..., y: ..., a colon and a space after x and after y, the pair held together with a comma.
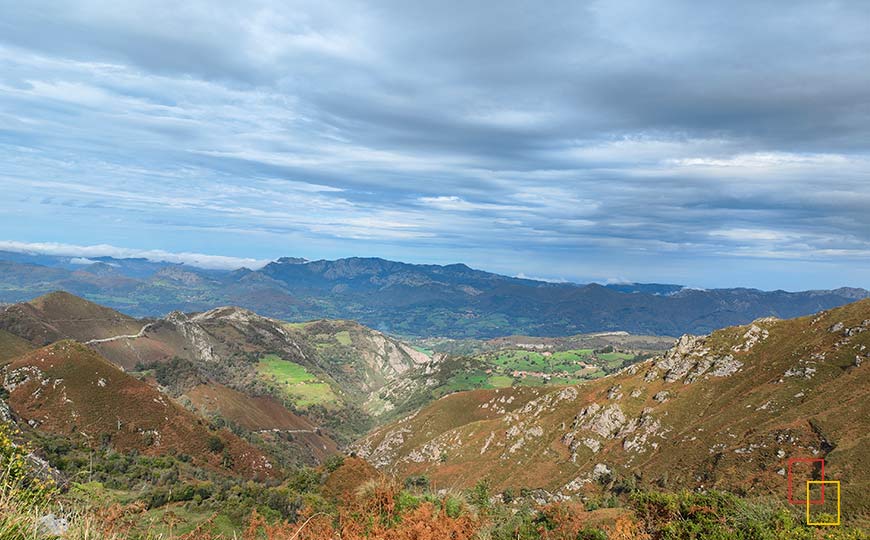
x: 77, y: 260
x: 538, y: 278
x: 80, y: 255
x: 584, y: 139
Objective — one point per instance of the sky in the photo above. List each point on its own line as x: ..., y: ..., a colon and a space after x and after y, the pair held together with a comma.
x: 707, y: 144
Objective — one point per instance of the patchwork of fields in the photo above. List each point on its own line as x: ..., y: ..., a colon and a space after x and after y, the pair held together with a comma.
x: 522, y: 367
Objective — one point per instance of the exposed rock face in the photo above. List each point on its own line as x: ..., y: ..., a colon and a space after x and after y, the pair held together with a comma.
x: 614, y: 392
x: 754, y: 335
x: 640, y: 429
x: 854, y: 331
x: 691, y: 358
x: 198, y: 338
x: 682, y: 357
x: 725, y: 366
x: 592, y: 421
x: 384, y: 453
x: 605, y: 421
x: 391, y: 358
x: 600, y: 471
x: 807, y: 372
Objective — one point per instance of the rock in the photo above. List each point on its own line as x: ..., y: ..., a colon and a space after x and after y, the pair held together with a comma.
x: 641, y: 428
x: 836, y: 328
x: 754, y: 335
x: 604, y: 422
x: 607, y: 422
x: 682, y: 357
x: 577, y: 483
x: 5, y: 413
x: 662, y: 396
x: 700, y: 368
x: 600, y: 471
x: 805, y: 372
x: 636, y: 393
x: 568, y: 393
x: 52, y: 525
x: 725, y: 366
x: 592, y: 444
x: 614, y: 392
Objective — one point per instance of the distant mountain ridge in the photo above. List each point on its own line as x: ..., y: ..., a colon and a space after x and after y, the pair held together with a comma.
x: 406, y: 299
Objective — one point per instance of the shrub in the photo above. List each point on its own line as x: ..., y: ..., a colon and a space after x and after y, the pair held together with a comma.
x: 215, y: 444
x: 17, y: 472
x: 332, y: 463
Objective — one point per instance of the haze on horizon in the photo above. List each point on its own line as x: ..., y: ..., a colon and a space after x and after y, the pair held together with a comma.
x: 681, y: 142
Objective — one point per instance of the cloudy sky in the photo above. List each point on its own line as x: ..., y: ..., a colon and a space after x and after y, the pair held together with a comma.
x: 679, y: 141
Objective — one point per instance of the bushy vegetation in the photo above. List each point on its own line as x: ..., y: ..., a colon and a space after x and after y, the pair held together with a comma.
x: 18, y: 471
x: 138, y: 497
x: 178, y: 374
x: 723, y: 516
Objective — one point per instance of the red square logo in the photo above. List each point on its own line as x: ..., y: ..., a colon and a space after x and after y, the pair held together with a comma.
x: 811, y: 462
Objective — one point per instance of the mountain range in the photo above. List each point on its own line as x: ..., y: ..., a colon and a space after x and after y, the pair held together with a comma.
x: 226, y: 395
x: 405, y: 299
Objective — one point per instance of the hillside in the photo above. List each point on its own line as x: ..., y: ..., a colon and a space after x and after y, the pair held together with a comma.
x: 363, y: 361
x: 266, y: 417
x: 60, y: 315
x: 330, y: 372
x: 719, y: 411
x: 12, y: 346
x: 203, y: 351
x: 322, y: 365
x: 407, y: 299
x: 67, y: 389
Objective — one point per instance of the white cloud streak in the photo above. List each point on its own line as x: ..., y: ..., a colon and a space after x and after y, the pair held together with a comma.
x: 81, y: 253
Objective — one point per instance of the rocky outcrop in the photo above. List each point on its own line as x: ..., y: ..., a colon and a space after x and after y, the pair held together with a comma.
x: 691, y: 358
x: 754, y: 335
x: 677, y: 362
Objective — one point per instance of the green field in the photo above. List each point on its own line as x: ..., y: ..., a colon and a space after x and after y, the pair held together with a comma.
x: 536, y: 369
x: 303, y: 388
x: 343, y: 338
x: 557, y: 362
x: 500, y: 381
x: 424, y: 350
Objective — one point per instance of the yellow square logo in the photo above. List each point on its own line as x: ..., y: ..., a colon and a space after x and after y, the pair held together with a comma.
x: 822, y: 483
